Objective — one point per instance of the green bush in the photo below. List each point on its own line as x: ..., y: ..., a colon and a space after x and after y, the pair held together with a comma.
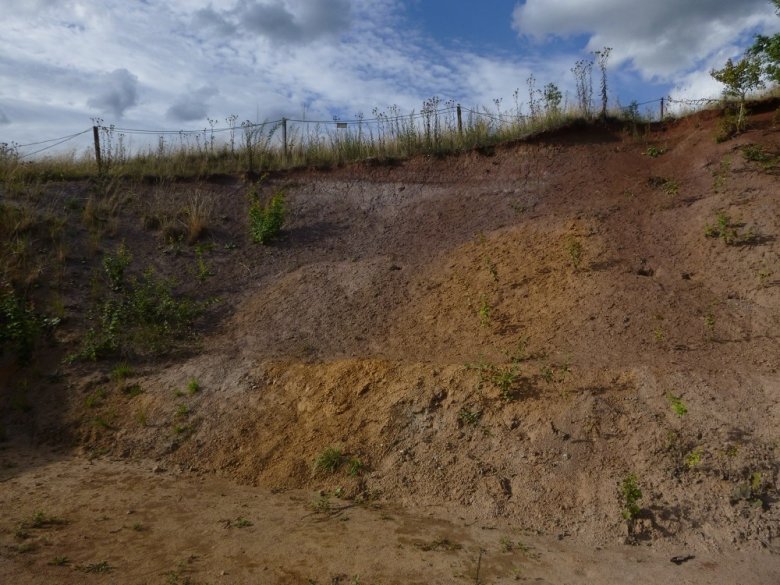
x: 143, y: 317
x: 19, y: 325
x: 266, y: 221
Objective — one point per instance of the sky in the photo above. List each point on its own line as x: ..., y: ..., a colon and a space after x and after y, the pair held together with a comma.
x: 173, y: 64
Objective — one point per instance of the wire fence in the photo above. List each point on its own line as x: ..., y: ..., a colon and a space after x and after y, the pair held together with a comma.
x: 437, y: 118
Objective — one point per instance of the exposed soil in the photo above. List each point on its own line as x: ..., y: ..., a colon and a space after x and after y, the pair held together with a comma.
x: 493, y: 341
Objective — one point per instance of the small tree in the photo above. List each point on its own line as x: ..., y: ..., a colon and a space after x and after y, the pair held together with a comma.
x: 740, y: 79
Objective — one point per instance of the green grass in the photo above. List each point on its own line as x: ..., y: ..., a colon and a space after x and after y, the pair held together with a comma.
x: 630, y: 494
x: 329, y: 460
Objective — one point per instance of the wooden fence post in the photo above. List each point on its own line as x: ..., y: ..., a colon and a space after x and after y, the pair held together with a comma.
x: 96, y: 136
x: 460, y: 123
x: 284, y: 138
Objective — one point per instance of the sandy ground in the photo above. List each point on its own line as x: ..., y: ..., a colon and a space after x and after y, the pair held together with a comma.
x: 67, y: 519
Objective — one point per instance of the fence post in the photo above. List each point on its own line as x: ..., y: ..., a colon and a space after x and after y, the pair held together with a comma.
x: 96, y: 136
x: 284, y: 138
x: 662, y: 109
x: 460, y: 123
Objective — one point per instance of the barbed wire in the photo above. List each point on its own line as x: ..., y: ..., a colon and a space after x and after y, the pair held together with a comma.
x: 63, y: 141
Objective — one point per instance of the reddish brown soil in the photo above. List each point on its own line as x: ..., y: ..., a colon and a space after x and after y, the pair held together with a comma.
x: 366, y: 328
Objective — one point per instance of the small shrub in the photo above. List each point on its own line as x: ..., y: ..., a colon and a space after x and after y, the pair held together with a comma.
x: 355, y: 467
x: 266, y: 221
x: 630, y: 494
x: 115, y: 266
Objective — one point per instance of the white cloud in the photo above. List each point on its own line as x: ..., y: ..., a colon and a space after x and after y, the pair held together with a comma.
x: 662, y: 39
x: 119, y: 92
x: 193, y: 105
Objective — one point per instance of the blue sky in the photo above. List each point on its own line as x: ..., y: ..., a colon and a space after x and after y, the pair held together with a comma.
x: 171, y: 64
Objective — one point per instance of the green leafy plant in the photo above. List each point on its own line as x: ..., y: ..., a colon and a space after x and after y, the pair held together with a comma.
x: 693, y: 458
x: 678, y: 406
x: 20, y: 326
x: 630, y: 495
x: 266, y: 221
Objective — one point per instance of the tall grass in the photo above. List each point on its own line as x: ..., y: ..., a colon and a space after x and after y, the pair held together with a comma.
x: 255, y: 148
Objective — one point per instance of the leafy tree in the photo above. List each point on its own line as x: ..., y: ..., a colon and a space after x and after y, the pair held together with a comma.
x: 740, y: 79
x: 767, y: 49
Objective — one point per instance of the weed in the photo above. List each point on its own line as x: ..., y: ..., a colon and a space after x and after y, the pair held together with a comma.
x: 678, y: 406
x: 492, y: 269
x: 355, y: 467
x: 630, y: 495
x: 101, y: 422
x: 659, y: 334
x: 693, y: 458
x: 506, y: 544
x: 42, y: 520
x: 182, y: 429
x: 329, y: 460
x: 440, y: 544
x: 242, y: 522
x: 469, y: 417
x: 141, y: 417
x: 193, y: 387
x: 654, y: 151
x: 59, y: 561
x: 101, y: 567
x: 709, y: 323
x: 322, y: 505
x: 197, y: 215
x: 182, y: 411
x: 96, y: 398
x: 724, y: 230
x: 266, y: 221
x: 203, y: 272
x: 484, y: 312
x: 121, y: 372
x: 574, y: 249
x: 671, y: 187
x: 138, y: 527
x: 132, y: 390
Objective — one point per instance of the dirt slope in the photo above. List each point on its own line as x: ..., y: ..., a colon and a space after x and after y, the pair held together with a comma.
x: 502, y: 337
